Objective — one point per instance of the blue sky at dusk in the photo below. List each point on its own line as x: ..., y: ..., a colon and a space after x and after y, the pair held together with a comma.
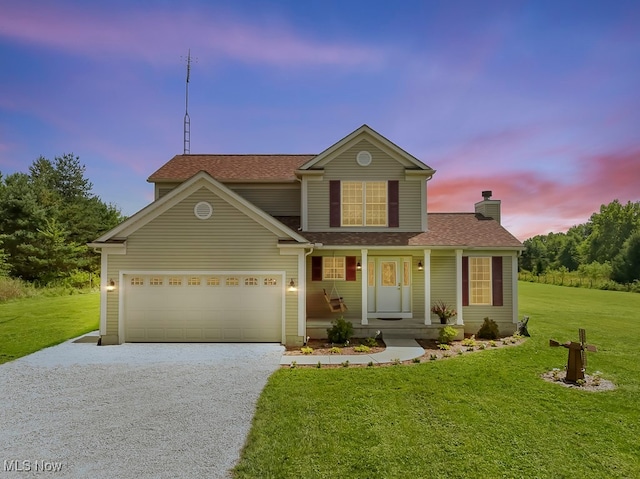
x: 538, y: 101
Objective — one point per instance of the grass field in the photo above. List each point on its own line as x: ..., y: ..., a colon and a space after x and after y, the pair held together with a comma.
x: 486, y: 414
x: 30, y: 324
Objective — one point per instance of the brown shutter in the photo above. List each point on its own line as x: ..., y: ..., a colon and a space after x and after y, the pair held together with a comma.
x: 334, y: 203
x: 350, y: 262
x: 496, y: 276
x: 393, y: 203
x: 465, y: 281
x: 316, y: 268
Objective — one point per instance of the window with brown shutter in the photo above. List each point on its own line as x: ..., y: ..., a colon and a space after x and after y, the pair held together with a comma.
x: 496, y: 276
x: 393, y: 203
x: 316, y: 268
x: 334, y: 203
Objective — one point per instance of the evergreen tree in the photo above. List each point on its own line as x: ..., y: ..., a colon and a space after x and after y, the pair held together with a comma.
x: 48, y: 215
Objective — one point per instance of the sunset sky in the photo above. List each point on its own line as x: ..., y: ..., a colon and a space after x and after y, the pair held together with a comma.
x: 538, y: 100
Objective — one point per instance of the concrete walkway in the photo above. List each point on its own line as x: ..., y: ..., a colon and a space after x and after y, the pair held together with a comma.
x: 397, y: 349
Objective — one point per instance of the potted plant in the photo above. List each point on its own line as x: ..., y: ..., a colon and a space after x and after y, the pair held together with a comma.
x: 443, y: 311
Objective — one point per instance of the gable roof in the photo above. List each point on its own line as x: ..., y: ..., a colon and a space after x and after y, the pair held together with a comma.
x: 446, y: 230
x: 229, y: 168
x: 199, y: 180
x: 365, y: 131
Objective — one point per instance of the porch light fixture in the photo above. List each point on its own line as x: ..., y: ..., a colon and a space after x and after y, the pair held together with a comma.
x: 359, y: 266
x: 111, y: 286
x: 420, y: 267
x: 292, y: 285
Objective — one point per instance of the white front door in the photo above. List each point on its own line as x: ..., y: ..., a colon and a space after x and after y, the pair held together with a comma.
x: 390, y: 290
x: 389, y: 287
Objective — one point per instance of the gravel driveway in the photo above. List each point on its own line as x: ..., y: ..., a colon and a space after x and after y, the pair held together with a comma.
x: 131, y: 411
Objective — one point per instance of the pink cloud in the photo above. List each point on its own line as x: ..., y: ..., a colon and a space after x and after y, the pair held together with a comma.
x: 533, y: 203
x: 160, y: 36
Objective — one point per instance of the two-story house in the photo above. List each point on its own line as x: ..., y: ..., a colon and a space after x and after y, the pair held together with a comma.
x: 250, y: 248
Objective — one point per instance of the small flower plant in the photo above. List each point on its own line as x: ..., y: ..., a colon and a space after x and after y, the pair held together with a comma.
x: 443, y: 311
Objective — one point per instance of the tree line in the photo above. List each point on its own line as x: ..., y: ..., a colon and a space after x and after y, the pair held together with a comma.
x: 606, y: 247
x: 47, y: 216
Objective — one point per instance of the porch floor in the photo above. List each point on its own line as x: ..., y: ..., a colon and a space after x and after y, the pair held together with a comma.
x: 396, y: 328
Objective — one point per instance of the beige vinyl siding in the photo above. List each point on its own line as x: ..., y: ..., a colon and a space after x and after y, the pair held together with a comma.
x: 443, y: 281
x: 277, y: 200
x: 383, y: 167
x: 417, y: 284
x: 228, y: 241
x: 161, y: 189
x: 489, y: 208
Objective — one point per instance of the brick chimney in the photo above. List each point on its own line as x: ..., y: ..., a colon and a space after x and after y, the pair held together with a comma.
x: 487, y: 207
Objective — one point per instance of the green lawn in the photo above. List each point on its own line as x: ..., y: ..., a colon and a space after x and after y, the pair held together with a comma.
x: 486, y: 414
x: 28, y: 325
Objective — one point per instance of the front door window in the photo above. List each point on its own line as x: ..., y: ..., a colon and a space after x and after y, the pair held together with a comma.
x: 389, y: 274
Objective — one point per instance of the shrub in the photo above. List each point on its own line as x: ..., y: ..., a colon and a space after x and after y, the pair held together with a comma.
x: 79, y: 279
x: 371, y: 342
x: 340, y: 331
x: 306, y: 350
x: 444, y: 346
x: 470, y: 342
x: 489, y: 329
x: 335, y: 350
x: 447, y: 334
x: 362, y: 349
x: 11, y: 288
x: 415, y: 360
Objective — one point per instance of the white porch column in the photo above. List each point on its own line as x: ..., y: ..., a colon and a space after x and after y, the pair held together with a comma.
x: 514, y: 285
x: 426, y: 264
x: 364, y: 282
x: 104, y: 263
x: 459, y: 319
x: 302, y: 296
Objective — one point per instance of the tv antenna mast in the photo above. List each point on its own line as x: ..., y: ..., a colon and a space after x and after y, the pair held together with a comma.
x: 187, y: 120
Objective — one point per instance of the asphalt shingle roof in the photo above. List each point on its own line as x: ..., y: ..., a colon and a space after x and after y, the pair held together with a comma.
x: 468, y: 230
x: 231, y: 167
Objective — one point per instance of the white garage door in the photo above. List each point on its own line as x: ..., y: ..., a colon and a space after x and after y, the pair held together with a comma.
x: 203, y: 308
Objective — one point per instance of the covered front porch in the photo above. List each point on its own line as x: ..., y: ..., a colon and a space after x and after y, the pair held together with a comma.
x: 381, y: 289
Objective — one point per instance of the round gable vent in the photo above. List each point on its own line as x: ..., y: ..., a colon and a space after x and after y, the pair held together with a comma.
x: 363, y: 158
x: 203, y: 210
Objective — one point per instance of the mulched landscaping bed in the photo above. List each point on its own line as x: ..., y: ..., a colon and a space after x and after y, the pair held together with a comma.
x: 591, y: 382
x: 431, y: 350
x: 322, y: 347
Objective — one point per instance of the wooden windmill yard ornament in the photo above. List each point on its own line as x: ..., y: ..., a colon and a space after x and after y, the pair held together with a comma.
x: 577, y: 356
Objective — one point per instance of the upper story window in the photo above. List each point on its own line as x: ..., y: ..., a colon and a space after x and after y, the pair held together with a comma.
x: 364, y: 203
x: 480, y: 280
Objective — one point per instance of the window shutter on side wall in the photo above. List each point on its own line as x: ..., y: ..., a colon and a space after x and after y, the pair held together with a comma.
x: 465, y: 281
x: 394, y: 203
x: 334, y: 203
x: 496, y: 277
x: 316, y: 268
x: 351, y: 268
